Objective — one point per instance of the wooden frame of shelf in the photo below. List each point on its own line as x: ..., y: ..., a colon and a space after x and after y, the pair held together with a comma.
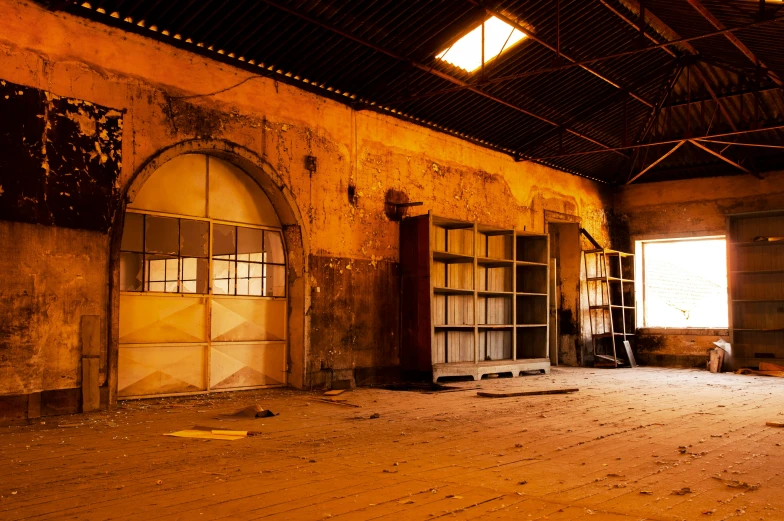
x: 755, y: 281
x: 460, y: 299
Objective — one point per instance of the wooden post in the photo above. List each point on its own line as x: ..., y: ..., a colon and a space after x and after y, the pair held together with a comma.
x: 91, y: 352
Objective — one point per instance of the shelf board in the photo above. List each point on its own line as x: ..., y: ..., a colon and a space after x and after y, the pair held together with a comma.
x: 496, y: 293
x: 757, y: 272
x: 451, y: 224
x: 757, y: 243
x: 453, y: 326
x: 494, y: 263
x: 522, y: 294
x: 531, y: 325
x: 451, y: 257
x: 759, y: 330
x: 531, y: 263
x: 453, y: 291
x: 621, y: 307
x: 608, y: 335
x: 758, y: 300
x: 605, y: 279
x: 496, y: 326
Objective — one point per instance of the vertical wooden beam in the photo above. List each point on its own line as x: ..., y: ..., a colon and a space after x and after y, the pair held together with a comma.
x: 91, y: 352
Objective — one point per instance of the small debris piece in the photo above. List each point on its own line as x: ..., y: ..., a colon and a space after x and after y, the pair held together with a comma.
x: 682, y: 492
x: 452, y: 496
x: 774, y: 424
x: 511, y: 394
x: 646, y: 492
x: 335, y: 392
x: 524, y: 482
x: 251, y: 411
x: 159, y: 482
x: 375, y: 415
x: 337, y: 401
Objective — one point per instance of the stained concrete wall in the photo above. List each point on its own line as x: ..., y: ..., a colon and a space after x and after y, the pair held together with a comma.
x: 165, y: 95
x: 692, y: 208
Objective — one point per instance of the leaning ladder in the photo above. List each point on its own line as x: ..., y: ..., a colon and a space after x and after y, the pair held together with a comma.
x: 604, y: 276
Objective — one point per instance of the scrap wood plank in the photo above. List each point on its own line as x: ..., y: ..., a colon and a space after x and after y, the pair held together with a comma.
x: 511, y: 394
x: 774, y: 424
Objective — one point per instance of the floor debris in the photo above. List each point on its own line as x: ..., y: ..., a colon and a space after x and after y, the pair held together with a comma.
x: 511, y: 394
x: 251, y: 411
x: 216, y: 434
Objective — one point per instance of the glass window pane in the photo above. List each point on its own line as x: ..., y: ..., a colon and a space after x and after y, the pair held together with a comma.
x: 162, y: 235
x: 224, y: 240
x: 171, y: 287
x: 189, y: 286
x: 275, y: 281
x: 254, y: 287
x: 242, y: 269
x: 130, y: 272
x: 171, y: 269
x: 133, y: 233
x: 157, y: 286
x: 156, y: 270
x: 273, y: 246
x: 188, y: 269
x: 249, y: 240
x: 194, y: 238
x: 220, y: 287
x: 255, y: 270
x: 242, y: 287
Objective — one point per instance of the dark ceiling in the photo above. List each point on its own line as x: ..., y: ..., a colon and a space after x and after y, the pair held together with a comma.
x: 593, y: 91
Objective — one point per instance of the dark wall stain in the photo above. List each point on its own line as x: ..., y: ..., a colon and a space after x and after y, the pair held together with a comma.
x: 193, y: 120
x: 566, y: 322
x: 60, y: 159
x: 354, y: 314
x: 620, y: 235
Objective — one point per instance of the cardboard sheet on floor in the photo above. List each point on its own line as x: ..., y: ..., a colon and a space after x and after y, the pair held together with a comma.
x: 215, y: 434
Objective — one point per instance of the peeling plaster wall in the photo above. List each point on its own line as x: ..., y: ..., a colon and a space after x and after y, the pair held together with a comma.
x: 693, y: 208
x: 165, y: 93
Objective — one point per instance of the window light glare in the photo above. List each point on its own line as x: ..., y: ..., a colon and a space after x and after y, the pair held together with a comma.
x: 466, y: 52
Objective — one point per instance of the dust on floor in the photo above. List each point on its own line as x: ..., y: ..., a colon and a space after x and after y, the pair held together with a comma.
x: 631, y: 444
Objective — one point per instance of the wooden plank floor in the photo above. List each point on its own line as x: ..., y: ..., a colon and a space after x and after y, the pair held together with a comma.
x: 615, y: 450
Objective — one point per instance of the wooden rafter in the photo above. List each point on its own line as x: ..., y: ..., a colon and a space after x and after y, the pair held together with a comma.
x: 723, y: 158
x: 652, y: 165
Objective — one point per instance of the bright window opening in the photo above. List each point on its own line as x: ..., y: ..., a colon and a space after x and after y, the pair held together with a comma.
x: 466, y: 52
x: 683, y: 283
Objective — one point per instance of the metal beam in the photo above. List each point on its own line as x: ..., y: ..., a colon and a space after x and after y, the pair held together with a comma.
x: 735, y: 143
x: 734, y: 40
x: 662, y: 158
x: 723, y: 158
x: 721, y: 96
x: 559, y: 52
x: 657, y: 143
x: 687, y: 45
x: 431, y: 70
x: 567, y: 66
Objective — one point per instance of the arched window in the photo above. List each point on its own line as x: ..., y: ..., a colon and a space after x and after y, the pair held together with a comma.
x: 203, y: 283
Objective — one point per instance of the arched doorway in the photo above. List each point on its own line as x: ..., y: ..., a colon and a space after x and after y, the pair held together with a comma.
x: 203, y: 292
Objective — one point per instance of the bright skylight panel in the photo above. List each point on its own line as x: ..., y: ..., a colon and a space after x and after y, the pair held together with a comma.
x: 466, y: 52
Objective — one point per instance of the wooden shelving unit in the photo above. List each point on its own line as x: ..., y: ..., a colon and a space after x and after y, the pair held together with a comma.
x: 474, y: 299
x: 609, y: 276
x: 755, y: 254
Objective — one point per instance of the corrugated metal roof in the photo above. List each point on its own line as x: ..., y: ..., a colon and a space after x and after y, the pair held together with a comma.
x: 532, y: 102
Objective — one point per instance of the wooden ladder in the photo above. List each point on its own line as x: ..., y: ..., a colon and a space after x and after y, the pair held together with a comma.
x: 604, y: 276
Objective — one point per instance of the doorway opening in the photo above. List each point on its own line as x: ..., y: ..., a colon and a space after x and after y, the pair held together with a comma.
x: 565, y: 255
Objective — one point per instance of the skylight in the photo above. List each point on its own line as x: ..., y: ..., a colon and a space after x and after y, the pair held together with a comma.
x: 466, y: 52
